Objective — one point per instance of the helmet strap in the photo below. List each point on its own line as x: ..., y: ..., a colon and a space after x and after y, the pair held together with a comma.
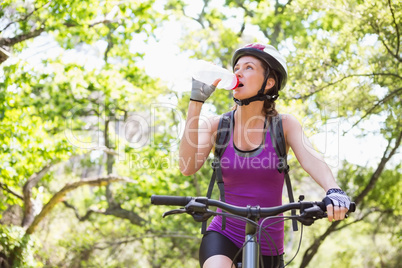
x: 258, y: 97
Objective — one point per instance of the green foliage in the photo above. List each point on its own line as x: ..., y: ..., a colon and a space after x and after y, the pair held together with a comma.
x: 13, y: 241
x: 387, y: 192
x: 24, y: 135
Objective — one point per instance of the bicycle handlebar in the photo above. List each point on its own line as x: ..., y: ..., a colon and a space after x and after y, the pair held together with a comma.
x: 169, y: 200
x: 255, y: 211
x: 197, y: 207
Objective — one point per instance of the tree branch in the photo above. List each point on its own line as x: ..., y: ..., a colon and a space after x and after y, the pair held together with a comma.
x: 7, y: 189
x: 379, y: 74
x: 343, y: 78
x: 374, y: 178
x: 109, y: 45
x: 382, y: 101
x: 116, y: 211
x: 200, y: 17
x: 122, y: 213
x: 246, y: 10
x: 27, y: 193
x: 398, y: 37
x: 376, y: 105
x: 83, y: 218
x: 279, y: 8
x: 9, y: 42
x: 321, y: 89
x: 25, y: 17
x: 378, y: 32
x: 56, y: 198
x: 287, y: 4
x: 243, y: 27
x: 105, y: 21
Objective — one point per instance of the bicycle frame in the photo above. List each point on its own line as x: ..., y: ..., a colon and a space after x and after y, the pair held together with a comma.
x: 251, y: 250
x: 251, y: 247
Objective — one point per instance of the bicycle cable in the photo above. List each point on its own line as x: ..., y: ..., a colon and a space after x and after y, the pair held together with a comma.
x: 298, y: 248
x: 262, y: 227
x: 286, y: 218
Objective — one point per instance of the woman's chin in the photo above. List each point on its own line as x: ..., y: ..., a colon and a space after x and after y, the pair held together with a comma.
x: 237, y: 94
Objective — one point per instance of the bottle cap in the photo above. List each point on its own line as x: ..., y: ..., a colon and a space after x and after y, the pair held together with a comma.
x: 237, y: 83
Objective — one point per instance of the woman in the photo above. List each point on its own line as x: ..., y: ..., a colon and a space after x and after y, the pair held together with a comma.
x: 249, y: 163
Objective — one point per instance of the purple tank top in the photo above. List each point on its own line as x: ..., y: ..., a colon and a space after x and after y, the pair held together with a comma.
x: 251, y: 178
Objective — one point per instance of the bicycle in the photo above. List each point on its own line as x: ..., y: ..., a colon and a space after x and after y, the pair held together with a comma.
x: 197, y: 207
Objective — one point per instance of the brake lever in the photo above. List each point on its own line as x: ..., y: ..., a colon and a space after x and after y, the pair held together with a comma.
x: 311, y: 214
x: 197, y: 210
x: 174, y: 211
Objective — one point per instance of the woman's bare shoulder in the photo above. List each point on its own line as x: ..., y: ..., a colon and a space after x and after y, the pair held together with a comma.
x: 289, y: 121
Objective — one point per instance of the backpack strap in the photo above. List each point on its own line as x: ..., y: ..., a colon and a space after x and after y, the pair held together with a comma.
x: 222, y: 139
x: 278, y: 141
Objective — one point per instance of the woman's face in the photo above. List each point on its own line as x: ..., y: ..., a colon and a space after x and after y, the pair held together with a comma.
x: 250, y: 72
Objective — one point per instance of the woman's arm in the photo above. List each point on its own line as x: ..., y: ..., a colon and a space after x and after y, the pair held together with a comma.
x: 197, y: 141
x: 311, y: 161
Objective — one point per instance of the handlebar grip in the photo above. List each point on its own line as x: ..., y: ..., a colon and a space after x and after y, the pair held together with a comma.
x: 170, y: 200
x: 322, y: 206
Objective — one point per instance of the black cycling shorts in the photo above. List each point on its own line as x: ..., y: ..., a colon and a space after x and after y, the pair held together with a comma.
x: 214, y: 243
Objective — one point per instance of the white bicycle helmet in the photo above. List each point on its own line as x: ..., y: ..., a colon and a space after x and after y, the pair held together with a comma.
x: 272, y: 58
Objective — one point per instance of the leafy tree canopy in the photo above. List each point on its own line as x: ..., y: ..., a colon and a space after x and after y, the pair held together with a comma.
x: 87, y: 135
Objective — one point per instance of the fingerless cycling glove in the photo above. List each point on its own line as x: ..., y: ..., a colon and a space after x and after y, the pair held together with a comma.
x: 337, y: 197
x: 200, y: 91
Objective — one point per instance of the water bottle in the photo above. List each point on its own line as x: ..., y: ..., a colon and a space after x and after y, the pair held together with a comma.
x: 207, y: 73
